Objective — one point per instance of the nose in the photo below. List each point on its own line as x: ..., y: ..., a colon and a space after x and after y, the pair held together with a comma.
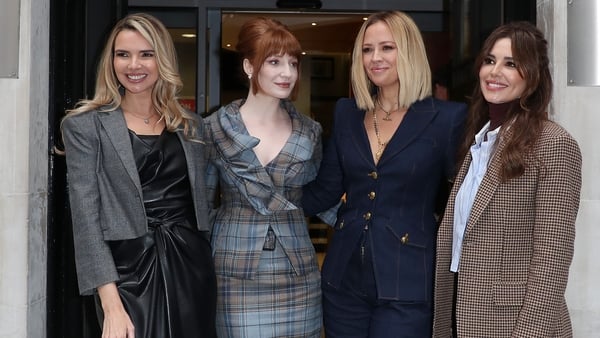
x: 134, y: 62
x: 495, y: 69
x: 286, y: 70
x: 376, y: 54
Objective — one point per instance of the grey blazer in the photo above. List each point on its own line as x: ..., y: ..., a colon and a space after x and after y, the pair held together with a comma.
x: 105, y: 191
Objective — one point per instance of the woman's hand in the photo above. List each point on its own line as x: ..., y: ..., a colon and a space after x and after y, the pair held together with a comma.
x: 117, y: 323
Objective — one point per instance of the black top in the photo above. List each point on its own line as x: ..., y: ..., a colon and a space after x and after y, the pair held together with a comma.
x: 163, y: 174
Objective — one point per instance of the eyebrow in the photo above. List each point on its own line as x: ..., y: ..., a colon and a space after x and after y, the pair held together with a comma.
x: 379, y: 43
x: 141, y: 51
x: 510, y: 58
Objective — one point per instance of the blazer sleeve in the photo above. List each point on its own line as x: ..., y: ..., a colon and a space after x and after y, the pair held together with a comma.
x: 557, y: 204
x: 211, y: 176
x: 326, y: 190
x: 93, y: 259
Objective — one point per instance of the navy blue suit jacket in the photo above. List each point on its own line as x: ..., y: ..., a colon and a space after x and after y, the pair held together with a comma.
x: 396, y: 198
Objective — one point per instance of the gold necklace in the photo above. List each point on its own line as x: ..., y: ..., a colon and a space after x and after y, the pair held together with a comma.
x: 380, y: 145
x: 387, y: 113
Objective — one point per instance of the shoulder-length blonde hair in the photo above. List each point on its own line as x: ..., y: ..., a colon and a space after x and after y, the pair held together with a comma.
x: 412, y: 65
x: 166, y: 88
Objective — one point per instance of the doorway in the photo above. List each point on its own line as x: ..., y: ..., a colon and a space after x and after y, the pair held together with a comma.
x: 452, y: 31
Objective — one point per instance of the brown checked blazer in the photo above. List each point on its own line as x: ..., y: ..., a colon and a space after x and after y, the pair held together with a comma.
x: 517, y: 247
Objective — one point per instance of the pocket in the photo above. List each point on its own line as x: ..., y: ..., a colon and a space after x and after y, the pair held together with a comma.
x: 409, y: 237
x: 509, y: 293
x: 345, y: 218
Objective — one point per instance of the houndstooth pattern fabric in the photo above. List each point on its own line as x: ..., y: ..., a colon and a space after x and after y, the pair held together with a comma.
x: 517, y: 248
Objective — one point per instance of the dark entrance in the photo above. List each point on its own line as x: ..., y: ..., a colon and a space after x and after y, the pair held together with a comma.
x: 78, y: 29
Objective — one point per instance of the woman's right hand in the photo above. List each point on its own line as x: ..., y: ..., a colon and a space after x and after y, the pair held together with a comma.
x: 117, y: 323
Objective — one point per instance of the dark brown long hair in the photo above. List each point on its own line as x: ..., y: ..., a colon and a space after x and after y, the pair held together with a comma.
x: 526, y: 119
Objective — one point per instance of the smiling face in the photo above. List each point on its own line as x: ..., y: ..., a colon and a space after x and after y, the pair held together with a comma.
x: 379, y: 55
x: 278, y: 75
x: 499, y: 76
x: 134, y: 61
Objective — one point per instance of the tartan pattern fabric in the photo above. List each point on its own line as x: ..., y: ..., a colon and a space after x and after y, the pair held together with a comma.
x: 278, y: 303
x: 517, y: 249
x: 253, y: 198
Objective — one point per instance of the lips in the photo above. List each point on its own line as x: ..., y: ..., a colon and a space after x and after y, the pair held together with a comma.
x: 378, y: 69
x: 136, y: 77
x: 495, y: 85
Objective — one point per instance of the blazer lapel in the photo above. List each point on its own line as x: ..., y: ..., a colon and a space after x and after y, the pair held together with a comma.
x: 360, y: 138
x: 417, y: 118
x: 488, y: 186
x: 192, y: 156
x: 116, y: 129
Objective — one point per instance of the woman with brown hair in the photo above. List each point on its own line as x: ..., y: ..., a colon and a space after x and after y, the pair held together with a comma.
x: 506, y: 241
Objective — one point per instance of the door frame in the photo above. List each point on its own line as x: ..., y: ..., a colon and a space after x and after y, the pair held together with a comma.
x: 209, y: 11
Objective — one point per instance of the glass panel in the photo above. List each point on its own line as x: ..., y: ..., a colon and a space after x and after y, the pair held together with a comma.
x: 328, y: 39
x: 182, y: 25
x: 325, y: 67
x: 186, y: 46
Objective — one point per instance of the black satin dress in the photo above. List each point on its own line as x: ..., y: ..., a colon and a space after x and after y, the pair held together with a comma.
x: 167, y: 280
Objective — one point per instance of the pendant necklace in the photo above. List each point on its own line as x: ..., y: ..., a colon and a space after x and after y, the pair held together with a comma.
x: 380, y: 145
x: 387, y: 113
x: 145, y: 119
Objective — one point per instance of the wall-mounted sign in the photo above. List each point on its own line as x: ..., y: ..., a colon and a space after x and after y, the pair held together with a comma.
x: 9, y: 38
x: 583, y: 43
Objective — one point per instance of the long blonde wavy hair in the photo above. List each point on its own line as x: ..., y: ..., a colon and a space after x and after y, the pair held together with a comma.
x: 164, y: 94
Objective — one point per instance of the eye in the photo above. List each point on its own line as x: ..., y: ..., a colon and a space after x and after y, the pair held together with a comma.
x: 511, y: 64
x: 273, y: 61
x: 367, y: 50
x: 388, y: 47
x: 294, y: 64
x: 121, y: 54
x: 489, y: 61
x: 148, y: 54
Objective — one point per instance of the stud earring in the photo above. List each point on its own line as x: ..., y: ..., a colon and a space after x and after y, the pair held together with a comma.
x: 249, y: 76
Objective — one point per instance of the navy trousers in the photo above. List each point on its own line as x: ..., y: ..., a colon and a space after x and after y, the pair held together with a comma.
x: 353, y: 310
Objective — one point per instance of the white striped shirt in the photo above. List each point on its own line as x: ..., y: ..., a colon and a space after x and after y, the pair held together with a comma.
x: 481, y: 153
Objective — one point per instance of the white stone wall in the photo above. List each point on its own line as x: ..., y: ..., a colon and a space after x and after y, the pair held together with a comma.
x: 577, y: 109
x: 23, y: 179
x: 24, y: 162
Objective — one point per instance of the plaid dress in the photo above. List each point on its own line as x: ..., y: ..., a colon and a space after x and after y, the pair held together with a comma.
x: 263, y: 293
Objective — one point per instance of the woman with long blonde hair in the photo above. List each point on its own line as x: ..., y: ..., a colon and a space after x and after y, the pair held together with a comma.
x: 135, y: 167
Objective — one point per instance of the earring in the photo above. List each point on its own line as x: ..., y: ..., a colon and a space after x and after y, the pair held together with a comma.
x: 249, y: 76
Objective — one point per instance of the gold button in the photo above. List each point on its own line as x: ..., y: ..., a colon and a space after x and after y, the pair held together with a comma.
x: 404, y: 239
x: 367, y: 216
x: 373, y: 175
x: 372, y: 195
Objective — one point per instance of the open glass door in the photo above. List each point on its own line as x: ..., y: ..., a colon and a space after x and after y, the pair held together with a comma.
x: 327, y: 39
